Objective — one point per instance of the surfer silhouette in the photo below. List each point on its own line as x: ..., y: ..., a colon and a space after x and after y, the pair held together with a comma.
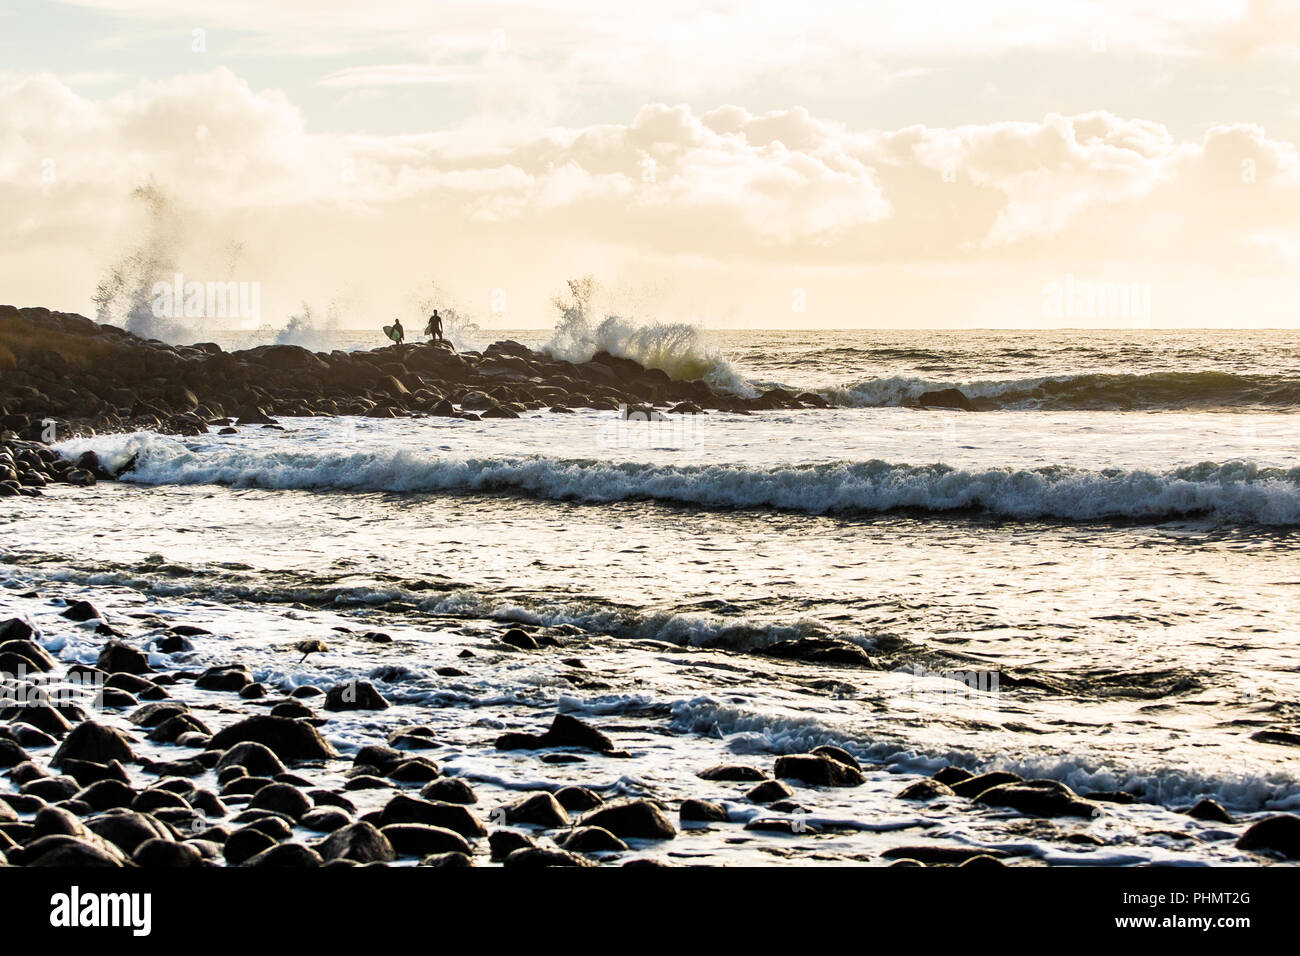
x: 434, y: 329
x: 395, y: 331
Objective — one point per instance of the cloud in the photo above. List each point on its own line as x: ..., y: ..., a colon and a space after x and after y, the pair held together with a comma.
x: 731, y: 189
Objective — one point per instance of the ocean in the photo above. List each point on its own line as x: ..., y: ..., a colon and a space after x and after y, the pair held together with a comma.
x: 1092, y: 579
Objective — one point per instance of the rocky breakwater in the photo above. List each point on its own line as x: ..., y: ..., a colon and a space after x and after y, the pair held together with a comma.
x: 62, y: 373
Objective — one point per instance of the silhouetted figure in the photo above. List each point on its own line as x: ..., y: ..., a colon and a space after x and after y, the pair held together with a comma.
x: 434, y: 328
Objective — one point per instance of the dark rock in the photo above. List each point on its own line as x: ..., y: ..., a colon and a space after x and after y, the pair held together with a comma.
x: 639, y: 819
x: 291, y: 740
x: 286, y: 855
x: 540, y: 809
x: 521, y: 639
x: 359, y: 842
x: 281, y: 798
x: 118, y: 658
x: 592, y: 840
x: 1211, y: 810
x: 107, y: 795
x: 244, y: 844
x: 565, y: 731
x: 533, y: 857
x: 504, y: 842
x: 738, y: 773
x: 768, y: 791
x: 448, y: 860
x: 927, y: 789
x: 127, y: 829
x: 355, y: 695
x: 945, y: 398
x: 324, y: 820
x: 942, y: 855
x: 417, y: 770
x: 702, y: 811
x: 94, y: 742
x: 166, y: 853
x: 253, y: 758
x: 972, y: 787
x: 406, y: 809
x: 1279, y: 834
x: 81, y: 611
x: 818, y: 770
x: 820, y: 650
x: 1041, y: 798
x: 577, y: 799
x: 449, y: 790
x: 227, y: 677
x: 419, y: 839
x: 67, y: 851
x: 151, y: 715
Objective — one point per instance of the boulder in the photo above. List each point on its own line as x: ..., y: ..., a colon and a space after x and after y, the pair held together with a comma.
x: 639, y: 819
x: 94, y: 742
x: 818, y: 770
x: 291, y: 740
x: 358, y: 842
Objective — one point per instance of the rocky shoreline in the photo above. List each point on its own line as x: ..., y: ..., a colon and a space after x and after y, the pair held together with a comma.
x: 140, y: 761
x: 66, y: 368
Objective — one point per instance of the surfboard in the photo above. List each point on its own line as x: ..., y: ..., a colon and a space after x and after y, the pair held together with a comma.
x: 391, y: 332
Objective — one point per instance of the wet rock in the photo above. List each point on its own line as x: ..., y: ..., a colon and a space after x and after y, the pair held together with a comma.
x: 291, y: 740
x: 51, y: 789
x: 38, y: 658
x: 448, y: 860
x: 540, y: 809
x: 941, y: 855
x: 81, y: 611
x: 354, y: 695
x: 365, y: 781
x: 151, y: 715
x: 1211, y: 810
x: 928, y: 789
x: 1041, y: 798
x: 702, y: 811
x: 67, y: 851
x: 166, y: 853
x: 1109, y: 796
x: 127, y: 829
x: 818, y: 770
x: 768, y: 791
x: 820, y: 650
x: 973, y: 786
x: 786, y: 825
x: 359, y: 842
x: 638, y: 819
x: 520, y: 639
x: 156, y: 798
x: 417, y: 770
x: 983, y: 862
x: 1281, y: 737
x: 173, y: 728
x: 382, y: 759
x: 536, y: 857
x: 565, y: 731
x: 253, y: 758
x: 118, y: 658
x: 16, y: 629
x: 281, y: 798
x: 324, y: 820
x: 43, y: 717
x: 945, y: 398
x: 838, y: 753
x: 419, y: 839
x: 577, y: 799
x: 504, y: 842
x: 449, y: 790
x: 1279, y: 834
x: 327, y: 798
x: 226, y: 677
x: 286, y: 855
x: 244, y: 844
x: 11, y: 754
x: 94, y: 742
x: 107, y: 795
x: 732, y: 772
x: 406, y: 809
x: 592, y: 840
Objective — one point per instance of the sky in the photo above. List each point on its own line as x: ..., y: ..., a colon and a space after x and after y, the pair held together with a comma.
x: 931, y: 163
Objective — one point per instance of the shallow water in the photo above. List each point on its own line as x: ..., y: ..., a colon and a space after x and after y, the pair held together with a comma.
x: 1120, y: 584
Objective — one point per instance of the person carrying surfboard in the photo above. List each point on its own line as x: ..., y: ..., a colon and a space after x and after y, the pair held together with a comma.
x: 395, y: 331
x: 434, y: 329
